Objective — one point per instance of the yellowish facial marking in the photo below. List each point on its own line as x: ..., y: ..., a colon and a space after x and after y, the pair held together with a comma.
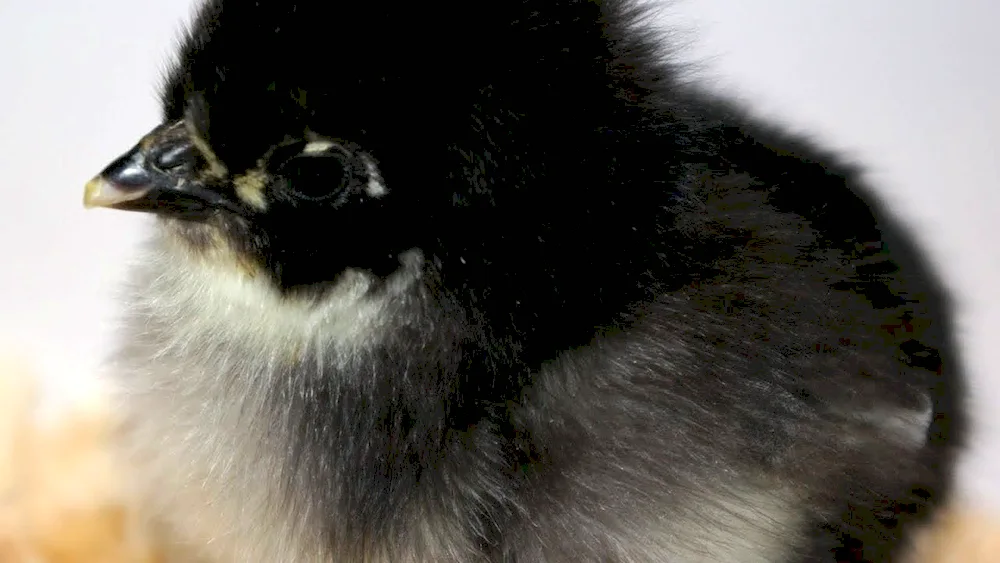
x: 147, y: 142
x: 216, y: 168
x: 250, y: 188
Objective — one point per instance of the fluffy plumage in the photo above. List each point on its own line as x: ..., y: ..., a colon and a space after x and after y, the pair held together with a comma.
x: 486, y: 282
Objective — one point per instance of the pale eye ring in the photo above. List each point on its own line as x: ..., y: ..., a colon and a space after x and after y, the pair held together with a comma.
x: 318, y: 147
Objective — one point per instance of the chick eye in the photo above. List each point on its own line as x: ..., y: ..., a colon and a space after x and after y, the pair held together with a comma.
x: 317, y: 176
x: 313, y: 171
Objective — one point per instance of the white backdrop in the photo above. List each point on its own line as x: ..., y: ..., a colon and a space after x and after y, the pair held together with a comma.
x: 908, y: 86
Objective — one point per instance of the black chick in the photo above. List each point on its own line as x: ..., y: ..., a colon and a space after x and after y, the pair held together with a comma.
x: 463, y: 282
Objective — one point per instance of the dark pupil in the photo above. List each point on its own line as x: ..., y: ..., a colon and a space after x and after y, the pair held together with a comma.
x: 317, y: 176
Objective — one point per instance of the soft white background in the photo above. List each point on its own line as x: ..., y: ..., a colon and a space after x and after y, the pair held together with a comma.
x: 908, y: 86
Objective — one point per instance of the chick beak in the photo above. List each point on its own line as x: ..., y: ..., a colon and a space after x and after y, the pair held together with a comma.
x: 156, y: 176
x: 126, y: 180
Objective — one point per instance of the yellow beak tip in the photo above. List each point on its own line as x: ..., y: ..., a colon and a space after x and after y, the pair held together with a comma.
x: 91, y: 192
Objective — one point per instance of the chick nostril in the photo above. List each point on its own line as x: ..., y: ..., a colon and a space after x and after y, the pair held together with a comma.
x: 174, y: 157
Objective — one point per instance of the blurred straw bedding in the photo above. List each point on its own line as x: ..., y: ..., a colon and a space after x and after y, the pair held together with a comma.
x: 64, y: 500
